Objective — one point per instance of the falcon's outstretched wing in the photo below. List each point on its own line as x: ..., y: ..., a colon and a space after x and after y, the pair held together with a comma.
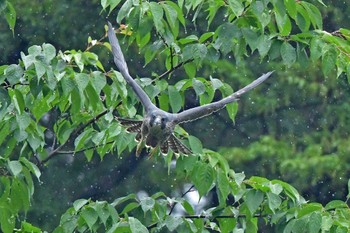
x: 119, y: 60
x: 205, y: 110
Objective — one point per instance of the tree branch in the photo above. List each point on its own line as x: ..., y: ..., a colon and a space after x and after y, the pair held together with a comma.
x: 75, y: 132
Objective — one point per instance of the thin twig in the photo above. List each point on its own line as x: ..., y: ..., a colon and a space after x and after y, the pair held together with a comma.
x: 174, y: 68
x: 82, y: 150
x: 184, y: 194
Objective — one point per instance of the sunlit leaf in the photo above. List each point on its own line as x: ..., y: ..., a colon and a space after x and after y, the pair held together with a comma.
x: 15, y: 167
x: 147, y: 204
x: 136, y: 226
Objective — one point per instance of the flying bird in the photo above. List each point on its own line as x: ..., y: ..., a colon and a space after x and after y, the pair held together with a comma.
x: 157, y: 127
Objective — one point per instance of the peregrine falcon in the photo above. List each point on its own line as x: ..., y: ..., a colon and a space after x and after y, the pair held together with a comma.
x: 156, y: 130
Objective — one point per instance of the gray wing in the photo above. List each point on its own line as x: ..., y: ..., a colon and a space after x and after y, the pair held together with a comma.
x: 119, y: 60
x: 205, y: 110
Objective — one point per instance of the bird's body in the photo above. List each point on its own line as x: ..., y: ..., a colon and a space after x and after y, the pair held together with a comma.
x: 156, y: 130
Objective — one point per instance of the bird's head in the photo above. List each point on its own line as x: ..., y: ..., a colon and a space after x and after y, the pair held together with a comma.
x: 158, y: 121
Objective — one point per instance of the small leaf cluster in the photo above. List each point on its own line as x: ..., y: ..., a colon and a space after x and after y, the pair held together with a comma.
x: 288, y: 30
x: 16, y: 190
x: 241, y: 203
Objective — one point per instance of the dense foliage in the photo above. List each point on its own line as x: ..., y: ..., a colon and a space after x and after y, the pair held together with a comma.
x: 56, y: 103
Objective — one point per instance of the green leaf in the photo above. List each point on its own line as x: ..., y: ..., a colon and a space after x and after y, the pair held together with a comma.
x: 274, y: 201
x: 157, y: 14
x: 10, y: 14
x: 180, y: 15
x: 206, y: 36
x: 78, y: 204
x: 82, y: 80
x: 15, y: 167
x: 198, y: 86
x: 121, y: 200
x: 335, y: 204
x: 188, y: 207
x: 172, y: 222
x: 216, y: 83
x: 124, y: 10
x: 223, y: 186
x: 316, y: 48
x: 102, y: 211
x: 203, y: 177
x: 175, y: 99
x: 288, y: 54
x: 232, y: 109
x: 129, y: 207
x: 347, y: 196
x: 283, y: 23
x: 315, y: 222
x: 31, y: 166
x: 264, y: 45
x: 81, y: 140
x: 7, y: 220
x: 291, y: 8
x: 113, y: 4
x: 190, y: 69
x: 261, y: 12
x: 13, y: 73
x: 23, y: 120
x: 27, y: 227
x: 90, y: 216
x: 314, y: 13
x: 252, y: 225
x: 329, y: 59
x: 147, y: 204
x: 303, y: 18
x: 291, y: 192
x: 49, y: 52
x: 226, y: 33
x: 253, y: 200
x: 188, y: 39
x: 251, y: 37
x: 136, y: 226
x: 309, y: 208
x: 171, y: 15
x: 194, y: 51
x: 236, y: 6
x: 195, y: 145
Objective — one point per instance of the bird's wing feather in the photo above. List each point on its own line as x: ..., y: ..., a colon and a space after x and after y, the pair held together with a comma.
x: 205, y: 110
x: 177, y: 146
x: 120, y: 62
x: 132, y: 126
